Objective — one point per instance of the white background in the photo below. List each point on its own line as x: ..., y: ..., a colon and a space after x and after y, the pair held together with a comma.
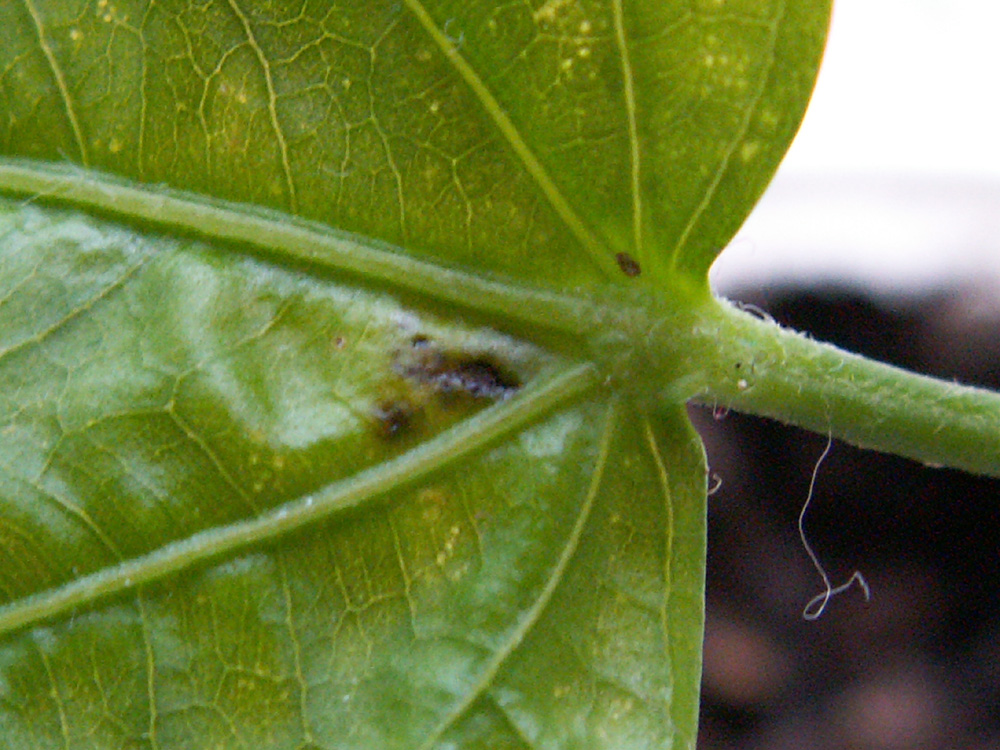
x: 893, y: 183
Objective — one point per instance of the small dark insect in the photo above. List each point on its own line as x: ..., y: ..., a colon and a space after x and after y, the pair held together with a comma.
x: 628, y: 264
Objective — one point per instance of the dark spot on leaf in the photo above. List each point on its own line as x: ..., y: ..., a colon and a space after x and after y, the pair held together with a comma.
x: 478, y: 376
x: 394, y: 418
x: 628, y: 264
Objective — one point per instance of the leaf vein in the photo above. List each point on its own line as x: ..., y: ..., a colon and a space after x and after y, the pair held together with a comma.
x: 60, y: 80
x: 296, y: 648
x: 79, y: 309
x: 596, y: 249
x: 202, y: 446
x: 271, y: 233
x: 720, y: 172
x: 633, y: 129
x: 557, y: 575
x: 663, y: 478
x: 55, y: 694
x: 272, y: 103
x: 456, y: 443
x: 147, y: 644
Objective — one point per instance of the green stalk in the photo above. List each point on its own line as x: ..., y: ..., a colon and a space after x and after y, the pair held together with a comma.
x: 760, y: 368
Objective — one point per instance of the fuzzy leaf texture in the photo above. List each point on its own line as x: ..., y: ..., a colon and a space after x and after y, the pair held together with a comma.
x: 260, y: 497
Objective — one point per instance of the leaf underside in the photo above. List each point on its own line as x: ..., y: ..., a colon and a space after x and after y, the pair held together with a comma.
x: 247, y: 501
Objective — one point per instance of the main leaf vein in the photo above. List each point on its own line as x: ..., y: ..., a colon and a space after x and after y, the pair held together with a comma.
x: 453, y: 445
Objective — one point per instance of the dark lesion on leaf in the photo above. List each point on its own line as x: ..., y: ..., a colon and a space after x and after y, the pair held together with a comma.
x: 628, y: 264
x: 477, y: 376
x: 432, y: 382
x: 394, y: 417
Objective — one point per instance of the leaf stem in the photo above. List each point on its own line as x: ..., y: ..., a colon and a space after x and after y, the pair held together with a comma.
x: 758, y: 367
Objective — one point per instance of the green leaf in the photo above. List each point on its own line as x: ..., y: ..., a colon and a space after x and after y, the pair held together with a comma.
x: 537, y: 139
x: 324, y: 408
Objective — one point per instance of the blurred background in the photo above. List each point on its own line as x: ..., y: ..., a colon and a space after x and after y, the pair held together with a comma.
x: 881, y: 233
x: 893, y: 183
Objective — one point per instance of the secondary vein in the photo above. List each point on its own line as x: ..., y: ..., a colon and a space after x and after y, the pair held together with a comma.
x: 709, y: 194
x: 60, y: 80
x: 541, y: 602
x: 272, y: 101
x: 633, y: 128
x: 596, y: 249
x: 465, y: 438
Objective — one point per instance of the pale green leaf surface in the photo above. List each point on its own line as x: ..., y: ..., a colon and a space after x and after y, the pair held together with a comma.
x: 137, y: 424
x: 138, y: 429
x: 635, y: 590
x: 537, y: 139
x: 267, y: 484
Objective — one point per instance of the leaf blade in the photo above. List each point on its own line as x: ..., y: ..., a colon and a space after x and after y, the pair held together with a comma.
x: 472, y: 158
x: 704, y: 98
x: 624, y: 673
x: 505, y: 125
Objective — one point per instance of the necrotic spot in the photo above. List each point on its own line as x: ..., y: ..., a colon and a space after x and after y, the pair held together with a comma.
x: 394, y: 418
x: 476, y: 375
x: 628, y: 264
